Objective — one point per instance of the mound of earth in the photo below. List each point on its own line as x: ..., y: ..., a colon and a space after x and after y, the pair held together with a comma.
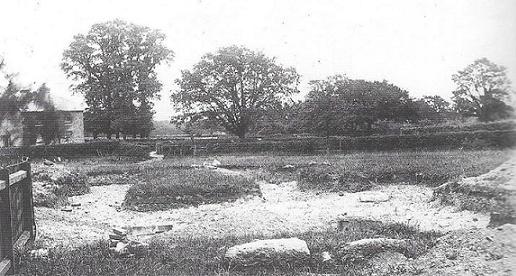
x: 493, y: 192
x: 489, y: 251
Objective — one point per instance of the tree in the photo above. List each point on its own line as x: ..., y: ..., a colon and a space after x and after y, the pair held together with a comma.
x: 114, y: 67
x: 433, y: 109
x: 233, y: 87
x: 343, y: 106
x: 14, y: 99
x: 483, y: 89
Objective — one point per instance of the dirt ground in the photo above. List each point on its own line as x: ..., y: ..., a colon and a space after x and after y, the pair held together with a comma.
x: 283, y: 208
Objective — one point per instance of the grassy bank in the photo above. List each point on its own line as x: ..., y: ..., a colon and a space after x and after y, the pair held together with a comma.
x: 175, y: 188
x: 194, y: 256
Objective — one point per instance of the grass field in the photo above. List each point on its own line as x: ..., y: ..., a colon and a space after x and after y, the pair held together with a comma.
x: 195, y: 256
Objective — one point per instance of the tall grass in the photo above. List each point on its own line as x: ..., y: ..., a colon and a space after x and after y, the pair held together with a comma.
x: 205, y: 256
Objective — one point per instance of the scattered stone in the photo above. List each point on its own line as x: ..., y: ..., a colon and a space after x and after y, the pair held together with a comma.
x: 119, y: 231
x: 475, y: 219
x: 266, y: 252
x: 358, y: 250
x: 341, y: 193
x: 39, y: 253
x: 121, y: 249
x: 75, y: 204
x: 121, y: 246
x: 113, y: 243
x: 212, y: 165
x: 288, y: 168
x: 452, y: 255
x: 66, y: 209
x: 326, y: 256
x: 48, y: 162
x: 374, y: 197
x: 116, y: 237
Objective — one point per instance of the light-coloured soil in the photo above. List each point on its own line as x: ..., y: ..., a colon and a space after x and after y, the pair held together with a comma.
x: 283, y: 208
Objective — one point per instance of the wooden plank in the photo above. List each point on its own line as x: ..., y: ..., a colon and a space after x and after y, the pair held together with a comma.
x: 3, y: 185
x: 17, y: 177
x: 23, y: 240
x: 5, y: 265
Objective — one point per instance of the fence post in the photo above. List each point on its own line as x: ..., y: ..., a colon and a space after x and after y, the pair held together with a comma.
x: 6, y: 242
x: 28, y: 198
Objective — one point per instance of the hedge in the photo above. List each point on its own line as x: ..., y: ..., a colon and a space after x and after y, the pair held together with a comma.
x: 490, y: 126
x: 446, y: 140
x: 96, y: 148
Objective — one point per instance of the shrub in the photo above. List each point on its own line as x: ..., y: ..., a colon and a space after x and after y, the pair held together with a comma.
x: 72, y: 184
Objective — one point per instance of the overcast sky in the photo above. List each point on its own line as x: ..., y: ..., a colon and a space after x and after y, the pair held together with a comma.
x: 416, y: 45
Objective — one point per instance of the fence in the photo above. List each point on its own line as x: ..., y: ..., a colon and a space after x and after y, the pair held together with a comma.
x: 17, y: 227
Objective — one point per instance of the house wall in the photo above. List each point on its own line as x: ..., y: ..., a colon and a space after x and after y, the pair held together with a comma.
x: 74, y: 128
x: 24, y: 128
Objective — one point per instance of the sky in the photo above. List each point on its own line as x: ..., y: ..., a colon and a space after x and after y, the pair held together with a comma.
x: 417, y: 45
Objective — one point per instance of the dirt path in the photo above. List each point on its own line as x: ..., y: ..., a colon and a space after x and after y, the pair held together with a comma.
x: 283, y: 208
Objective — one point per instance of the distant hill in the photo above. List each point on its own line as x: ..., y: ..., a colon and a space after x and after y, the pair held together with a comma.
x: 164, y: 129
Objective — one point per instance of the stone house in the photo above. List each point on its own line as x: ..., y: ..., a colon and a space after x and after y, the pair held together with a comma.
x: 31, y: 127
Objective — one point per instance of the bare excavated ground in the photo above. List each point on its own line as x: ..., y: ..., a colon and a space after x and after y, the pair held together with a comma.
x: 282, y: 208
x: 468, y: 247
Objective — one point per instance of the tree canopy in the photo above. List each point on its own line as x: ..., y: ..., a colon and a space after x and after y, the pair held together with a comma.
x: 114, y: 67
x: 343, y: 106
x: 233, y: 87
x: 483, y: 89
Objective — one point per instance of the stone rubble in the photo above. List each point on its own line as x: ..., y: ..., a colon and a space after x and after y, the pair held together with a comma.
x: 122, y: 246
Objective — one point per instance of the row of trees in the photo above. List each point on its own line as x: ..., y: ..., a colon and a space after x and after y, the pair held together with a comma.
x: 240, y: 90
x: 244, y: 91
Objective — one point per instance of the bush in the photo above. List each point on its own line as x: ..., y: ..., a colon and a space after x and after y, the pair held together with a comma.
x: 72, y: 184
x: 184, y: 187
x: 53, y: 185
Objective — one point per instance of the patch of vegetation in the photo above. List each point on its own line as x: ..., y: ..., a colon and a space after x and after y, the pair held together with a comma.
x: 54, y: 186
x: 205, y: 256
x: 166, y: 189
x: 421, y: 168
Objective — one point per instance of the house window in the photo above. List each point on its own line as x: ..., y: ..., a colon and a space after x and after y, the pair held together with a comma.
x: 68, y: 118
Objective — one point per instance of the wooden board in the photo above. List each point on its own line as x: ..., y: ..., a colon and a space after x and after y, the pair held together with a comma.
x: 4, y: 267
x: 17, y: 177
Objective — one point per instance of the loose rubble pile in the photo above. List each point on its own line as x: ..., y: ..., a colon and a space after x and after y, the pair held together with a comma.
x: 122, y: 246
